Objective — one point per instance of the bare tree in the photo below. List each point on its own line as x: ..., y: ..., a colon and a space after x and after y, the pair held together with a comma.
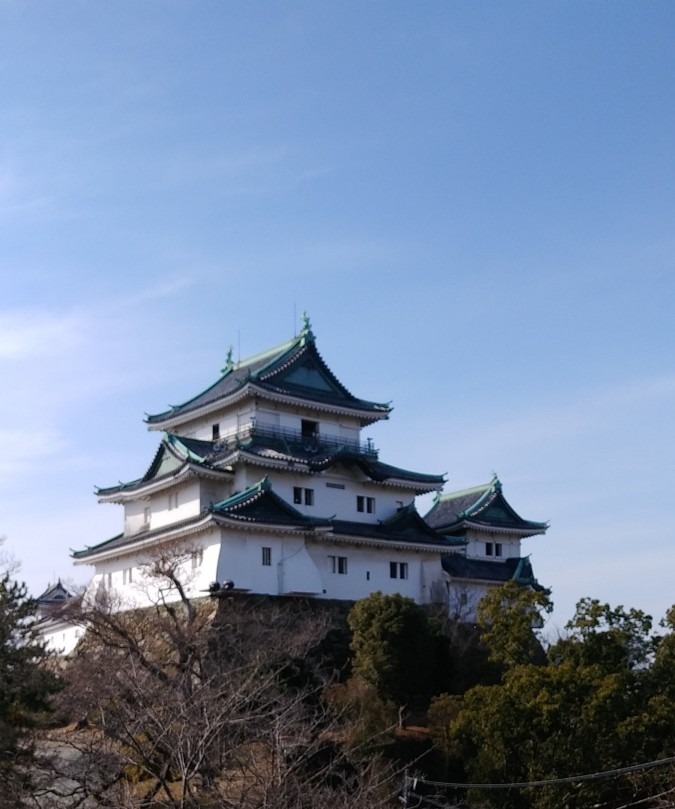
x: 213, y: 702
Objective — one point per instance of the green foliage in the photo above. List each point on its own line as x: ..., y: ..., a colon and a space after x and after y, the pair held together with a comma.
x: 25, y: 684
x: 508, y: 616
x: 613, y: 638
x: 393, y: 647
x: 602, y: 700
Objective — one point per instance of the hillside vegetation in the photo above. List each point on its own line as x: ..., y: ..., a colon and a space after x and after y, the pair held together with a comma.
x: 246, y: 702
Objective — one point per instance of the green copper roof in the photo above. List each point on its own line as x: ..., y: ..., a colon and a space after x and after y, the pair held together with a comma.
x: 293, y: 369
x: 481, y: 506
x: 172, y: 454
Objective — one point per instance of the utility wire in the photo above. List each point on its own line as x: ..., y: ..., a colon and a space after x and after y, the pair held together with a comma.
x: 596, y: 776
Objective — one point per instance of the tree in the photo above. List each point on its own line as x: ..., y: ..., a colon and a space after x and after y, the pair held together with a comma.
x: 602, y: 700
x: 209, y: 702
x: 508, y: 616
x: 610, y: 637
x: 393, y: 647
x: 25, y: 687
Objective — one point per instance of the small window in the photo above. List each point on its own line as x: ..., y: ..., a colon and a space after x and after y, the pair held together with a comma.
x: 310, y: 429
x: 301, y: 496
x: 366, y: 504
x: 498, y: 548
x: 173, y: 501
x: 146, y: 515
x: 338, y: 564
x: 196, y: 558
x: 267, y: 557
x: 215, y: 432
x: 108, y: 579
x: 398, y: 570
x: 463, y: 599
x: 489, y: 549
x: 127, y: 575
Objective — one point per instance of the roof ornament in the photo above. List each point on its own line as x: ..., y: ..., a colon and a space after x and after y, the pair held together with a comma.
x: 307, y: 335
x: 229, y: 362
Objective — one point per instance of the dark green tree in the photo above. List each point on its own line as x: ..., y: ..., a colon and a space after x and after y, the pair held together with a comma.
x: 394, y: 647
x: 603, y: 700
x: 508, y: 616
x: 25, y: 686
x: 613, y: 638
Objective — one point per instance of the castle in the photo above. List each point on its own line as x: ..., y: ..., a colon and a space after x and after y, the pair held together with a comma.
x: 263, y: 481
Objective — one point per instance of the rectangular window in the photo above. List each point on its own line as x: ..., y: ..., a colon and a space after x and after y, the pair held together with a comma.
x: 398, y: 570
x: 108, y: 580
x: 301, y: 496
x: 196, y: 558
x: 338, y: 564
x: 366, y: 504
x: 173, y: 501
x: 267, y: 557
x: 498, y: 548
x: 488, y: 548
x: 127, y: 575
x: 309, y: 429
x: 215, y: 432
x: 335, y: 485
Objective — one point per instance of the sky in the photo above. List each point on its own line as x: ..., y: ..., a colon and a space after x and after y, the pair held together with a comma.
x: 473, y: 202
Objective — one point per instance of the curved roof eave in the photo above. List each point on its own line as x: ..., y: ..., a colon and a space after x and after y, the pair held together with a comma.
x: 524, y: 531
x: 173, y: 418
x: 141, y: 488
x: 399, y: 544
x: 142, y: 540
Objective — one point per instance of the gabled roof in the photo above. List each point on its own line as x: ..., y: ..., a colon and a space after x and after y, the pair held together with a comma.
x: 405, y: 526
x: 294, y: 370
x: 483, y: 507
x: 518, y: 569
x: 320, y: 454
x: 260, y: 504
x: 175, y: 455
x: 54, y: 594
x: 257, y: 505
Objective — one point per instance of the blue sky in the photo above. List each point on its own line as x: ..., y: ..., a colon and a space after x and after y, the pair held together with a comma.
x: 474, y: 202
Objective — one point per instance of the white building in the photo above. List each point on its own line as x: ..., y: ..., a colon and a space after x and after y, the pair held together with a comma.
x: 58, y: 633
x: 263, y: 480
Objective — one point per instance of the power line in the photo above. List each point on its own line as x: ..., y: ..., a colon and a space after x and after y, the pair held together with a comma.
x: 596, y: 776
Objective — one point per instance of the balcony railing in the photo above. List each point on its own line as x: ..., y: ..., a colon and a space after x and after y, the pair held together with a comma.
x: 295, y: 440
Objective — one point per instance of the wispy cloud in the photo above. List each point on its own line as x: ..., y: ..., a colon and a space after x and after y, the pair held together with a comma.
x: 29, y: 333
x: 22, y: 449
